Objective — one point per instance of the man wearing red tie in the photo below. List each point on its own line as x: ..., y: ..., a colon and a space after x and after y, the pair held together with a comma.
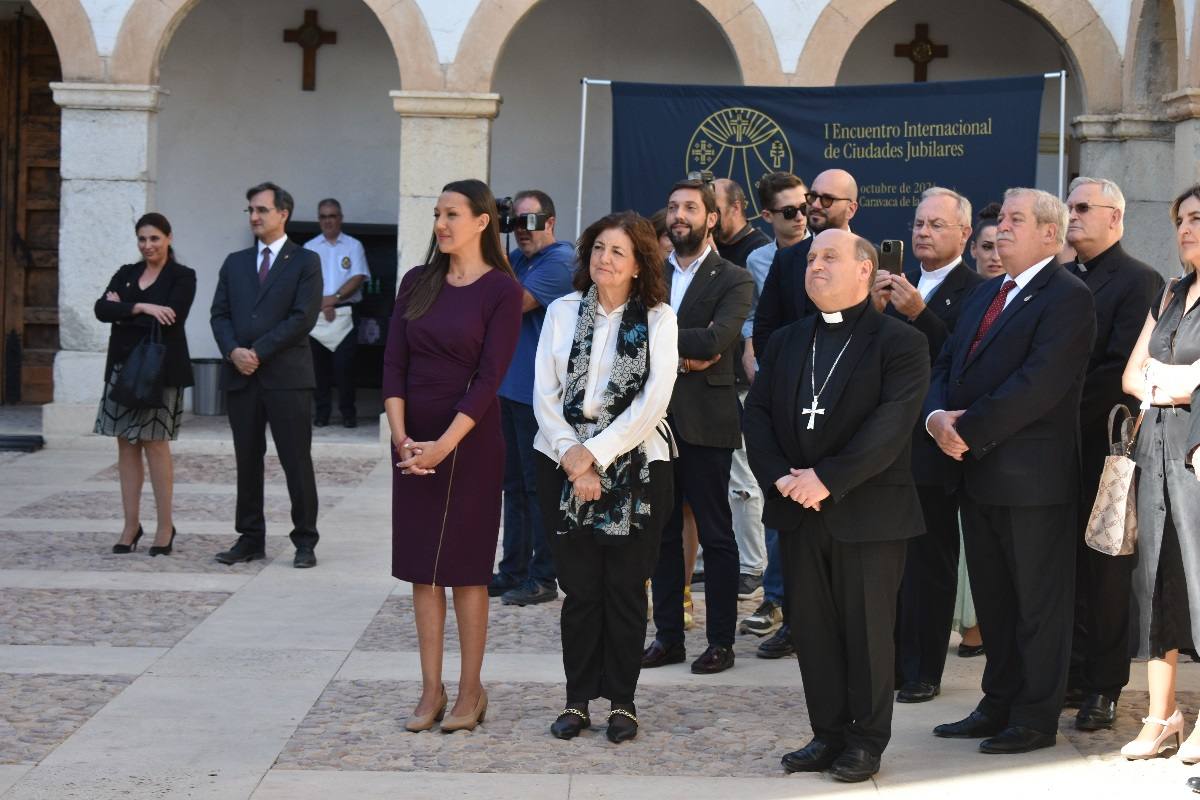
x: 1004, y: 400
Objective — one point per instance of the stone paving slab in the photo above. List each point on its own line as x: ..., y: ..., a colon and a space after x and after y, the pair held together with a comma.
x: 114, y: 618
x: 528, y: 629
x: 705, y: 731
x: 107, y: 505
x: 37, y: 712
x: 92, y: 551
x: 200, y: 468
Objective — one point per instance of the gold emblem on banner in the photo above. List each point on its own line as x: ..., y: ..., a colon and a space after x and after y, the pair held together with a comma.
x: 345, y: 262
x: 742, y: 144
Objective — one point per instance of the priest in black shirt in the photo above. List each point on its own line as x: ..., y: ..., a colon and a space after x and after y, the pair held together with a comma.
x: 833, y: 463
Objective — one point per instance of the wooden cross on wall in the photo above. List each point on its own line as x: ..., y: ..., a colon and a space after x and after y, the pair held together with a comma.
x: 310, y: 36
x: 921, y: 51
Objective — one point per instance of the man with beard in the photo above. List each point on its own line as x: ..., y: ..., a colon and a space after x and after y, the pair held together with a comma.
x: 832, y: 203
x: 829, y: 431
x: 711, y: 298
x: 736, y: 237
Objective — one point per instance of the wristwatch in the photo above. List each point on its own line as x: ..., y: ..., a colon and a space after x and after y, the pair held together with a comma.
x: 337, y: 295
x: 683, y: 368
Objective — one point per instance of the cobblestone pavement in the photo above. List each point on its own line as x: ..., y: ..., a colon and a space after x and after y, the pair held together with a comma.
x: 39, y: 711
x: 212, y: 469
x: 92, y: 551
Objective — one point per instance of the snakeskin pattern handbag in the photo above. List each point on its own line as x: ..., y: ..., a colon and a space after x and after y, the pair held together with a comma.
x: 1112, y: 525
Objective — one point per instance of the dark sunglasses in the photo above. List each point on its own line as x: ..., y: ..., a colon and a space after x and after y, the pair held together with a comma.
x: 827, y: 200
x: 1083, y: 208
x: 790, y: 212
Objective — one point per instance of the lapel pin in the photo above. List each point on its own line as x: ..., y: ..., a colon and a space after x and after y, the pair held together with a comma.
x: 1027, y: 298
x: 713, y: 272
x: 947, y: 301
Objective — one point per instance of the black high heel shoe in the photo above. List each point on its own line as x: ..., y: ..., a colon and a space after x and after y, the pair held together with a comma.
x: 122, y: 549
x: 165, y: 550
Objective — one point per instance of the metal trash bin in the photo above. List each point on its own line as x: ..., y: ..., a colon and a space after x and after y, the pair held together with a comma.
x: 208, y: 393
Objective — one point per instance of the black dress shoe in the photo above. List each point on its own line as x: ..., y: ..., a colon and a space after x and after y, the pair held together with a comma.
x: 1074, y: 697
x: 529, y: 593
x: 779, y: 645
x: 918, y: 692
x: 854, y: 765
x: 350, y: 422
x: 244, y: 550
x: 622, y: 724
x: 815, y: 756
x: 498, y: 585
x: 659, y: 654
x: 970, y: 650
x: 1194, y: 784
x: 305, y: 558
x: 975, y: 726
x: 1017, y: 739
x: 573, y: 719
x: 1097, y: 712
x: 717, y: 658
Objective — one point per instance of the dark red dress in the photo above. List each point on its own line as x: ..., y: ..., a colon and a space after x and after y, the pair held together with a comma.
x: 451, y: 359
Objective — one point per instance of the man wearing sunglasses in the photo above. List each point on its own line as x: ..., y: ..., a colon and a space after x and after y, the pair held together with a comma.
x: 1123, y: 289
x: 832, y: 203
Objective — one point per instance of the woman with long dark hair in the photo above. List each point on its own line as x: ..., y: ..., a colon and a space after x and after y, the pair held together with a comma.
x: 156, y: 291
x: 453, y: 332
x: 605, y: 369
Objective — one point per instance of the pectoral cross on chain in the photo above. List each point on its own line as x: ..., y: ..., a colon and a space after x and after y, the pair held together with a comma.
x: 812, y: 412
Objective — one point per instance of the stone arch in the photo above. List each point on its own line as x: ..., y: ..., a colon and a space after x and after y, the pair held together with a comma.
x: 1088, y: 44
x: 742, y: 24
x: 73, y: 37
x: 149, y: 25
x: 1154, y: 53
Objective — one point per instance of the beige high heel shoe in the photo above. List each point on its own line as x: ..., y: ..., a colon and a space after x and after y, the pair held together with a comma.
x: 467, y: 722
x: 423, y: 722
x: 1189, y: 751
x: 1171, y: 726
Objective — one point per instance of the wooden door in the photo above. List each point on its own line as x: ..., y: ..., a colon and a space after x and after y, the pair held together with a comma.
x: 30, y: 125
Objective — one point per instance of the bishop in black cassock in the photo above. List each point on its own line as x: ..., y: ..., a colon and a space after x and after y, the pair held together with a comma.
x: 828, y: 426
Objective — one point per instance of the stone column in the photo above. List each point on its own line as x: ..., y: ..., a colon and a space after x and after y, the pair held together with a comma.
x: 1183, y: 108
x: 1137, y: 151
x: 108, y: 172
x: 444, y: 136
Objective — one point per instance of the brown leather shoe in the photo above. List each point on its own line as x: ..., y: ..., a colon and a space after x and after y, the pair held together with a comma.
x: 717, y: 658
x: 659, y: 654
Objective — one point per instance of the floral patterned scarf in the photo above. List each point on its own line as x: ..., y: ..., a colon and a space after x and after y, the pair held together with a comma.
x: 624, y: 507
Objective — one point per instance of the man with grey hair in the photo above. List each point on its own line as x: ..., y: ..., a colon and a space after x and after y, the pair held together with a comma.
x: 1124, y: 290
x: 929, y: 297
x: 1004, y: 401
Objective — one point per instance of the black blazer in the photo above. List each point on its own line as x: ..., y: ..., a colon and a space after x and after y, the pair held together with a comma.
x: 273, y: 320
x: 932, y: 467
x: 861, y: 447
x: 783, y: 298
x: 1123, y: 289
x: 704, y: 405
x: 174, y: 287
x: 1020, y: 389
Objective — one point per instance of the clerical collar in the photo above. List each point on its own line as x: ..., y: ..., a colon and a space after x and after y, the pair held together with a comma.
x: 851, y: 314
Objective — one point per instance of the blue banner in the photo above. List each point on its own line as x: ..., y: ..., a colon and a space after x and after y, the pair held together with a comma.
x: 976, y: 137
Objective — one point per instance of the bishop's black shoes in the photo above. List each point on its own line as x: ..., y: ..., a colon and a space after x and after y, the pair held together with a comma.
x: 816, y: 756
x: 622, y: 723
x: 573, y: 719
x: 659, y: 654
x: 975, y: 726
x: 1017, y: 739
x: 244, y: 550
x: 854, y: 765
x: 717, y: 658
x: 1096, y: 713
x: 917, y: 692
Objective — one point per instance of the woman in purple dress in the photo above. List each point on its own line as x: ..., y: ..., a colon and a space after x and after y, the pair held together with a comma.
x: 453, y: 332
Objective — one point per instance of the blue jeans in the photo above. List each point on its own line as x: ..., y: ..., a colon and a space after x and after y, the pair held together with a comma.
x: 773, y: 575
x: 526, y: 553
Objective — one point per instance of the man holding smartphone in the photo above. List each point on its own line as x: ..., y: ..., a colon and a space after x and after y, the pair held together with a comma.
x: 929, y: 298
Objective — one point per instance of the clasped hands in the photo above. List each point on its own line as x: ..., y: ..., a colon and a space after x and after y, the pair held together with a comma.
x: 804, y: 487
x: 942, y: 428
x: 420, y: 458
x: 244, y: 359
x: 164, y: 314
x: 580, y: 466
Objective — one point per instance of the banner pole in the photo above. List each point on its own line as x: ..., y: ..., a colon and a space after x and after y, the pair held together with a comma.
x: 584, y: 83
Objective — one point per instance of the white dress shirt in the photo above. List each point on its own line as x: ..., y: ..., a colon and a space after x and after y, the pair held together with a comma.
x: 274, y: 247
x: 341, y: 259
x: 636, y: 424
x: 930, y: 281
x: 682, y: 278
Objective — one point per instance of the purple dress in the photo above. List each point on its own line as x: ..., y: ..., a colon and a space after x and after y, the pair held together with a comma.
x: 451, y: 359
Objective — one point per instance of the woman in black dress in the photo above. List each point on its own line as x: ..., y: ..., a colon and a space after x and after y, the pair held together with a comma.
x: 1163, y: 371
x: 155, y: 291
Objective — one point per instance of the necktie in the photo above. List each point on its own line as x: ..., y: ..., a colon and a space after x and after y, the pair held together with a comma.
x: 264, y: 266
x: 992, y: 313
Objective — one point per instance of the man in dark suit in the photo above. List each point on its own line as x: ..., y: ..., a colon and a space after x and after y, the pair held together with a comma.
x: 832, y: 203
x: 1124, y: 289
x: 833, y: 463
x: 929, y: 297
x: 711, y: 297
x: 1004, y: 399
x: 267, y: 300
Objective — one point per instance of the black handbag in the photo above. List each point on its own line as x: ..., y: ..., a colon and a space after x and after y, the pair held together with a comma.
x: 139, y: 384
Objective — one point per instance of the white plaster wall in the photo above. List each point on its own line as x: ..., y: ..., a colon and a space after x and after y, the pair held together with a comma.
x: 980, y: 35
x: 535, y: 141
x: 106, y: 17
x: 236, y: 115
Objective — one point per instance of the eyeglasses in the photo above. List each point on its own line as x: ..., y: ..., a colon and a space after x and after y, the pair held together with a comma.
x: 329, y: 216
x: 936, y: 225
x: 1083, y: 208
x: 790, y: 212
x: 827, y: 200
x: 261, y: 210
